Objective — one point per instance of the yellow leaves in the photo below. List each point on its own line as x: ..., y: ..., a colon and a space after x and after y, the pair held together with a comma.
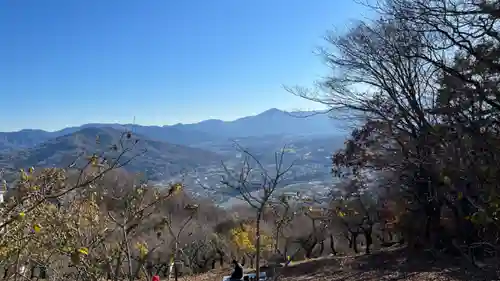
x: 93, y: 160
x: 22, y: 175
x: 175, y: 188
x: 37, y: 227
x: 244, y: 238
x: 142, y: 247
x: 341, y: 214
x: 84, y: 251
x: 21, y: 216
x: 241, y: 239
x: 51, y: 227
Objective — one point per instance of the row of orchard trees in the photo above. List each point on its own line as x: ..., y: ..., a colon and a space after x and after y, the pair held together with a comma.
x: 423, y: 78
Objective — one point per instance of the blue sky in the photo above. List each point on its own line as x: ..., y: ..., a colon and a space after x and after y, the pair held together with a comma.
x: 71, y: 62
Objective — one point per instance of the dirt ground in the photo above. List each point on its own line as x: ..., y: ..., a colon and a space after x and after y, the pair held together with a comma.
x: 393, y: 264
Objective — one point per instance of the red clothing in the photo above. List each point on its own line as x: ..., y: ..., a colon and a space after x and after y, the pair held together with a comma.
x: 156, y: 278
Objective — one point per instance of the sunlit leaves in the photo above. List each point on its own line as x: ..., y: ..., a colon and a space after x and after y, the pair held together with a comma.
x: 37, y: 227
x: 241, y: 238
x: 142, y: 247
x: 23, y: 176
x: 244, y: 238
x: 93, y: 160
x: 83, y: 251
x: 21, y: 215
x: 175, y: 188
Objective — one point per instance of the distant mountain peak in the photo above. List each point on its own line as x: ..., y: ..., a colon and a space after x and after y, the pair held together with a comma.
x: 272, y: 111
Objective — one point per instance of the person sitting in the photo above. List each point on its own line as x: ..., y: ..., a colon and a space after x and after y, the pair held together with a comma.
x: 238, y: 271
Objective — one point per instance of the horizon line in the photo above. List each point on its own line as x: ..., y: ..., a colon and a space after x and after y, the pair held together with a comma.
x: 164, y: 125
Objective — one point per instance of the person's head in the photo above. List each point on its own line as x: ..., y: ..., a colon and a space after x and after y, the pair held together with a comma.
x: 234, y: 262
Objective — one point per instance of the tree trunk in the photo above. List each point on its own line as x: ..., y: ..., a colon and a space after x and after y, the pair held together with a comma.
x: 276, y: 244
x: 309, y: 251
x: 285, y: 250
x: 321, y: 248
x: 128, y: 253
x: 176, y: 271
x: 257, y: 244
x: 332, y: 245
x: 368, y: 238
x: 353, y: 242
x: 166, y: 270
x: 117, y: 268
x: 221, y: 258
x: 148, y: 265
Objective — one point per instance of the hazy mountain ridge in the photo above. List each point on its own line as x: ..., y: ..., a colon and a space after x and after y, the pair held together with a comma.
x: 156, y: 159
x: 270, y: 122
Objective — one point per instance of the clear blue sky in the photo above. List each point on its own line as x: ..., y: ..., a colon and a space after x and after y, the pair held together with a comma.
x: 69, y: 62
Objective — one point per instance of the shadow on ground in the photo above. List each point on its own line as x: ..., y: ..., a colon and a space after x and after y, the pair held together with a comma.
x: 394, y: 264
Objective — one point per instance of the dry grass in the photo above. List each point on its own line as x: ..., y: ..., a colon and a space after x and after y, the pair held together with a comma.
x: 393, y: 264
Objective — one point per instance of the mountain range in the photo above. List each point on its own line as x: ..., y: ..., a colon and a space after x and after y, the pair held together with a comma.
x: 270, y: 122
x: 168, y: 149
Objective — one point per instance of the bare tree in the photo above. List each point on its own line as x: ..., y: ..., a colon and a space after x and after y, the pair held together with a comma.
x: 284, y: 213
x: 256, y: 185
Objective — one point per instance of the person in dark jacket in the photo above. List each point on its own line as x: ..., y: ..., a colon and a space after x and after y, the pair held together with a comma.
x: 238, y: 271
